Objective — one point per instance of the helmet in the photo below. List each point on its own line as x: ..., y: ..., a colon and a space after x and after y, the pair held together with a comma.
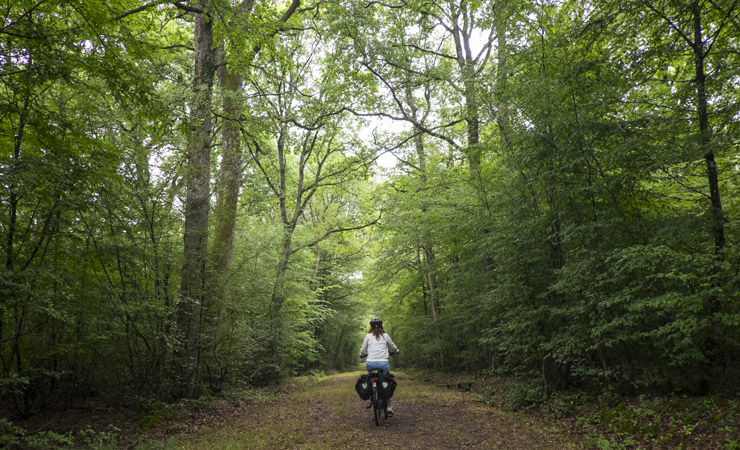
x: 376, y: 323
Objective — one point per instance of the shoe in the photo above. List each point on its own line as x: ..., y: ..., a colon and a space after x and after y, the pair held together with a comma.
x: 390, y: 411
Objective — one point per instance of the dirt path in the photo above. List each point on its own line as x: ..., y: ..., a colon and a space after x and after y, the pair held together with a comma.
x: 329, y: 415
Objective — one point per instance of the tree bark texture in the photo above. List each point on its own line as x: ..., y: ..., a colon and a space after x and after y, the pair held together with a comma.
x: 229, y: 181
x: 197, y: 204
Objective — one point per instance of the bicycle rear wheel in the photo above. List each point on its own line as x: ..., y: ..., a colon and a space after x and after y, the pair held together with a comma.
x: 379, y: 411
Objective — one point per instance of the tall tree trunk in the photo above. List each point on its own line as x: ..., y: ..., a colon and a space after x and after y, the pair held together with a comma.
x: 13, y: 213
x: 197, y: 204
x: 502, y: 77
x: 229, y: 181
x: 467, y: 65
x: 13, y: 203
x: 426, y: 245
x: 303, y: 194
x: 278, y: 293
x: 230, y: 173
x: 427, y: 248
x: 713, y: 347
x: 705, y: 132
x: 6, y: 301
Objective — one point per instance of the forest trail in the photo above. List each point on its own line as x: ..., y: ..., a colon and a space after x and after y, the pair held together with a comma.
x: 328, y: 415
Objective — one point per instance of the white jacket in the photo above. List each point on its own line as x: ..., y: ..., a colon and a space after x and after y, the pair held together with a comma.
x: 377, y: 349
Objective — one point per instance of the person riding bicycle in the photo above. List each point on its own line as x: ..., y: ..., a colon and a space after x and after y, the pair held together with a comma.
x: 375, y: 347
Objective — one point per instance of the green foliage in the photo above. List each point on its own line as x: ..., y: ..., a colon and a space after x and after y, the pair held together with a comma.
x: 152, y: 412
x: 98, y: 440
x: 581, y: 250
x: 87, y: 225
x: 583, y: 255
x: 676, y: 422
x: 12, y: 437
x: 524, y: 395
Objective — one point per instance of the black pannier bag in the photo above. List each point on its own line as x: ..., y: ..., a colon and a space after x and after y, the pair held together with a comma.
x: 363, y: 387
x: 386, y: 386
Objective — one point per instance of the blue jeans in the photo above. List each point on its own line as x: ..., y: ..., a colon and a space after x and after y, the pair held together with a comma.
x: 381, y: 365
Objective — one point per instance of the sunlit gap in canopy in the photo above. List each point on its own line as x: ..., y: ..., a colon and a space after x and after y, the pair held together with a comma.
x: 380, y: 133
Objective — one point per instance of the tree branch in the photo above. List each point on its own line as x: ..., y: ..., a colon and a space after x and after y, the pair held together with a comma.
x: 384, y: 4
x: 338, y: 230
x: 255, y: 157
x: 419, y: 126
x: 139, y: 9
x: 288, y: 13
x: 727, y: 19
x: 27, y: 13
x: 671, y: 24
x: 727, y: 13
x: 188, y: 8
x: 426, y: 50
x: 170, y: 47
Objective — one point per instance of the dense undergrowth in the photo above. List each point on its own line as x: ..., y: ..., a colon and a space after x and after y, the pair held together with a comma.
x: 607, y: 420
x: 146, y: 424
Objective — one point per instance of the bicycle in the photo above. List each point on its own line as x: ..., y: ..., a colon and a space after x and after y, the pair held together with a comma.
x: 379, y: 405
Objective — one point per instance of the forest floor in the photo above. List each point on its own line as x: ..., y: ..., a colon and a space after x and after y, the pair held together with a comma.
x: 328, y: 414
x: 325, y: 413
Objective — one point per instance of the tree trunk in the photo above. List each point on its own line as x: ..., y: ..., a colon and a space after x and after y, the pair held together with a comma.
x: 337, y: 348
x: 278, y: 289
x: 13, y: 212
x: 473, y: 121
x: 276, y: 301
x: 502, y: 107
x: 230, y: 174
x: 426, y: 246
x: 705, y: 133
x: 713, y: 349
x: 13, y: 204
x: 197, y: 204
x: 229, y: 181
x: 429, y: 268
x: 424, y: 289
x: 466, y: 63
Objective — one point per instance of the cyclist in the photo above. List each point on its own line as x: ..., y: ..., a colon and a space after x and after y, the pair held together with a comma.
x: 375, y: 347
